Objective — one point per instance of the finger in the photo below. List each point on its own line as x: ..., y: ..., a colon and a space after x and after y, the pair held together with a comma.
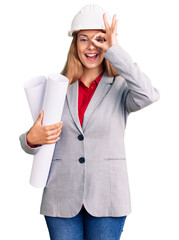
x: 40, y: 117
x: 55, y: 131
x: 52, y: 141
x: 53, y: 126
x: 113, y: 22
x: 115, y: 28
x: 99, y: 35
x: 97, y: 43
x: 106, y: 24
x: 53, y: 137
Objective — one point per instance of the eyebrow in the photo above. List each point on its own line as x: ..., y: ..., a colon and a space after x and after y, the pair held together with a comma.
x: 83, y: 35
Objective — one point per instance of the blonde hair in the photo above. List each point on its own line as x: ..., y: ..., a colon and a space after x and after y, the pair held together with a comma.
x: 73, y: 68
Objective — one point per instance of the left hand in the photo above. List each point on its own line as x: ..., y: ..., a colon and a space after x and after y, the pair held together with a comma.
x: 110, y: 35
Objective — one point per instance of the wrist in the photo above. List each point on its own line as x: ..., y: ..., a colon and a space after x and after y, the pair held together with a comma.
x: 29, y: 142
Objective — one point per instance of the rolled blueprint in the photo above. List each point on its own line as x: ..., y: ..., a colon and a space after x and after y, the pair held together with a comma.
x: 53, y: 91
x: 35, y: 90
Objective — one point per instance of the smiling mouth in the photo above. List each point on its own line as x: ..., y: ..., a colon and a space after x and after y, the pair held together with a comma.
x: 92, y: 57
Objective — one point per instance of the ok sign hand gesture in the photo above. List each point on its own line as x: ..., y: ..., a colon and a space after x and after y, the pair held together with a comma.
x: 110, y: 35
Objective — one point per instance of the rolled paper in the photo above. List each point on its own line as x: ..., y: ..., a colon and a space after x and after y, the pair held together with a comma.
x: 35, y: 90
x: 53, y: 103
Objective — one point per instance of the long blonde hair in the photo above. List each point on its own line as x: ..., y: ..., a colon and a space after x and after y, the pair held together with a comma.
x: 73, y: 68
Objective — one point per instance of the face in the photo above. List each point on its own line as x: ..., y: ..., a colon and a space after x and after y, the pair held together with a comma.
x: 87, y: 51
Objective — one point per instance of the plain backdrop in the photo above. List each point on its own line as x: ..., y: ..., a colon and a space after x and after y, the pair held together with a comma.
x: 34, y: 42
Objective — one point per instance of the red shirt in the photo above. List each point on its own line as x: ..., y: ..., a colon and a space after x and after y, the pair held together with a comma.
x: 84, y: 97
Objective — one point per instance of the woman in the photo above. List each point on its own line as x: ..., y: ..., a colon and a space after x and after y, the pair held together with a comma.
x: 87, y: 192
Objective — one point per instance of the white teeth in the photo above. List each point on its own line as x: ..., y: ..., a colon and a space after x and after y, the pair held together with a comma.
x: 91, y: 55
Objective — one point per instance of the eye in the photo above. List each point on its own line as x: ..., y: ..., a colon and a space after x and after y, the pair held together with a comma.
x: 83, y: 39
x: 100, y: 39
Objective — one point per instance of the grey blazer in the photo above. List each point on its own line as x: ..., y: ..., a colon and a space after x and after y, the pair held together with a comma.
x: 89, y: 162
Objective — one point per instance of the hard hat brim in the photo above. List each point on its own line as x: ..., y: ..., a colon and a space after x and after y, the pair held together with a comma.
x: 71, y: 33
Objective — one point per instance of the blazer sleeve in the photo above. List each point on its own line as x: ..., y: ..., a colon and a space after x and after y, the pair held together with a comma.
x: 26, y: 147
x: 139, y: 91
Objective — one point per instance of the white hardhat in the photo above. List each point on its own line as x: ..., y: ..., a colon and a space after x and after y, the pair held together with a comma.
x: 89, y: 17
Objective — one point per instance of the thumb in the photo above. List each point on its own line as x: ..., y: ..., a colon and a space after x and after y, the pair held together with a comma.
x: 40, y: 118
x: 96, y: 43
x: 98, y: 39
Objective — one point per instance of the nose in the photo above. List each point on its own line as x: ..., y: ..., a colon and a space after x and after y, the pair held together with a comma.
x: 91, y: 45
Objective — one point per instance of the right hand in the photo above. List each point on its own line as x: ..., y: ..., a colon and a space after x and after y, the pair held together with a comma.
x: 40, y: 134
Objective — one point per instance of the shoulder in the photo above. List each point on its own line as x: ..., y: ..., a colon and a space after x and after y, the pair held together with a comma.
x: 120, y: 82
x: 120, y: 86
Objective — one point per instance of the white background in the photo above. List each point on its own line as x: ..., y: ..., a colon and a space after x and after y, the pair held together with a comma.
x: 34, y: 42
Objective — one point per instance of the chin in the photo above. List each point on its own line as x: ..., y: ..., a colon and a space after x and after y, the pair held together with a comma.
x: 91, y: 65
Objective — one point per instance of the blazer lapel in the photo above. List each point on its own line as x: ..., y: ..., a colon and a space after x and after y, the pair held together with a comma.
x: 101, y: 90
x: 72, y: 97
x: 72, y: 101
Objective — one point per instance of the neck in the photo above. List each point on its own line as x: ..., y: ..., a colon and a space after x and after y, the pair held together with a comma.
x: 90, y: 74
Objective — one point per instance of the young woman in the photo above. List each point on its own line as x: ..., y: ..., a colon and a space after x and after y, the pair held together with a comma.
x: 87, y: 192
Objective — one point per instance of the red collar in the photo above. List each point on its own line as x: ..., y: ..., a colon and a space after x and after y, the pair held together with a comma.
x: 96, y: 80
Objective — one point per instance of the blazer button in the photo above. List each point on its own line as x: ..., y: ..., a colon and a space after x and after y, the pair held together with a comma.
x: 80, y: 137
x: 82, y: 160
